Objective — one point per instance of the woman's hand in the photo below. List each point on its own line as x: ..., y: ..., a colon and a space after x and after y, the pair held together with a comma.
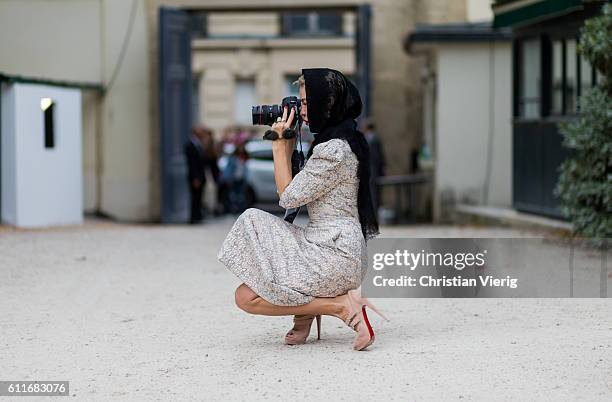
x: 282, y: 123
x: 283, y: 147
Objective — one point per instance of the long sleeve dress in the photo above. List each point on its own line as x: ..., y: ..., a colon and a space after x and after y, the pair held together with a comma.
x: 288, y: 265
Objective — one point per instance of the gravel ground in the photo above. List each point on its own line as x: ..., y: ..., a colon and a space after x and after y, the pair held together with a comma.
x: 137, y: 312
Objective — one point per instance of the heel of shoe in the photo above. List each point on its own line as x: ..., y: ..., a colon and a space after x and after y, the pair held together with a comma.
x: 366, y: 302
x: 361, y: 344
x: 303, y: 323
x: 356, y: 294
x: 318, y: 317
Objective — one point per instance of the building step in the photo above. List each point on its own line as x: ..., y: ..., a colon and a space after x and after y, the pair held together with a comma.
x: 500, y: 216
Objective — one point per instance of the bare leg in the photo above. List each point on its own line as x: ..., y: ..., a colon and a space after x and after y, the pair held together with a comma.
x: 250, y: 302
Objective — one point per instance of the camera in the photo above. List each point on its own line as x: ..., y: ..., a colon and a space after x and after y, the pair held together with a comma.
x: 266, y: 115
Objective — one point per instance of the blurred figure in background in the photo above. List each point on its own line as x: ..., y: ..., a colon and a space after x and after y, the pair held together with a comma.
x: 228, y: 140
x: 194, y: 151
x: 377, y: 160
x: 225, y: 147
x: 201, y: 159
x: 234, y: 179
x: 254, y: 134
x: 211, y: 168
x: 242, y: 135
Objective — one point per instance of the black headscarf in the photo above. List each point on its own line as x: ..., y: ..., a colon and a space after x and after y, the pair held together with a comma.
x: 333, y: 105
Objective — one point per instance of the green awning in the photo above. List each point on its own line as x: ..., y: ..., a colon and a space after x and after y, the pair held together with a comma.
x: 509, y: 13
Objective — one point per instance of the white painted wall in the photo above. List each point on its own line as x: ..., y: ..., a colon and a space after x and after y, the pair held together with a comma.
x: 126, y: 116
x: 80, y: 40
x: 41, y: 186
x: 473, y: 108
x: 57, y: 39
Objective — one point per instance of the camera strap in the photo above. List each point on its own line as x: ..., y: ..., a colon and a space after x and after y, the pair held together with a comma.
x: 297, y: 164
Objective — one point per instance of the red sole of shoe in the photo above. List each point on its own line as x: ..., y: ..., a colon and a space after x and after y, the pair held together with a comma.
x: 370, y: 330
x: 367, y: 322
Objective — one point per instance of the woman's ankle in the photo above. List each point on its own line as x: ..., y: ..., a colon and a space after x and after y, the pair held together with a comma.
x: 338, y: 307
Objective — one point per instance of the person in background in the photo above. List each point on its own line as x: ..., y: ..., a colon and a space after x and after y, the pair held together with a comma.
x: 228, y: 139
x: 254, y: 134
x: 225, y: 147
x: 211, y: 166
x: 242, y: 135
x: 234, y: 177
x: 194, y: 151
x: 377, y: 160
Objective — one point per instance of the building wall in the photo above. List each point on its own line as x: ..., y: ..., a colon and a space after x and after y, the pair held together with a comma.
x: 396, y: 76
x: 52, y: 39
x: 81, y: 41
x: 91, y: 148
x: 126, y: 116
x: 473, y: 116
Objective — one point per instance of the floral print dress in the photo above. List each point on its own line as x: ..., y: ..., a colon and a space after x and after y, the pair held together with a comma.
x: 288, y: 265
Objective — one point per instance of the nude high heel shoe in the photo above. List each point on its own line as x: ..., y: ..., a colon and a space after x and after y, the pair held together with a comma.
x: 301, y: 329
x: 358, y: 319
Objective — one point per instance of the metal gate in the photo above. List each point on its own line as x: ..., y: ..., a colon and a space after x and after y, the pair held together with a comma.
x: 175, y: 112
x: 363, y: 56
x: 537, y: 154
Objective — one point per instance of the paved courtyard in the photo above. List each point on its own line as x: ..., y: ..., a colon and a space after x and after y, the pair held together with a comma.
x: 139, y: 312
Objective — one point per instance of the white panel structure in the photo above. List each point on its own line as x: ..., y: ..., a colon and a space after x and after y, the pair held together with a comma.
x: 42, y: 173
x: 473, y: 118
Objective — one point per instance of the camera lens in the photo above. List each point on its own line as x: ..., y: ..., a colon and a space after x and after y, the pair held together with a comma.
x: 266, y: 115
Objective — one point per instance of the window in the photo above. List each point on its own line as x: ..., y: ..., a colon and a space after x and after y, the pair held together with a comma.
x: 47, y: 105
x: 290, y: 89
x: 330, y: 22
x: 586, y: 76
x: 296, y: 23
x: 567, y: 75
x: 312, y: 24
x: 557, y: 77
x: 244, y: 100
x: 198, y: 24
x: 529, y: 97
x: 571, y: 77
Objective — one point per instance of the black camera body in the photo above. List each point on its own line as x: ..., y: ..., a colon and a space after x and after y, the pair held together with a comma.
x: 266, y: 115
